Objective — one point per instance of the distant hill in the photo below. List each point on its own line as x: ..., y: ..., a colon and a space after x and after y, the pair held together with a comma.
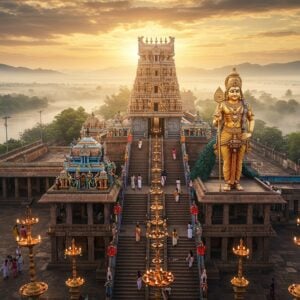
x: 248, y: 69
x: 22, y: 70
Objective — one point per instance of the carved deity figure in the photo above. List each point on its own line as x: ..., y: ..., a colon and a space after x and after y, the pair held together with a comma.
x: 235, y: 121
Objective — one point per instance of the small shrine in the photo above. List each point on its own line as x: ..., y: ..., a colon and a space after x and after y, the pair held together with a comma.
x: 86, y: 168
x: 93, y: 127
x: 81, y: 203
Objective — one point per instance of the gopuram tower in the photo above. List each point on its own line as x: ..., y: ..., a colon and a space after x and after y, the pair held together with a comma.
x: 155, y: 104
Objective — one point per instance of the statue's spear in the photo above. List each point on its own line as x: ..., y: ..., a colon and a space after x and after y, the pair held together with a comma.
x: 219, y: 97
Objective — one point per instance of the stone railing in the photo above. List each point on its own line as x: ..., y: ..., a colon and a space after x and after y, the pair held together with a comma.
x: 65, y: 229
x: 19, y: 150
x: 234, y: 230
x: 277, y: 156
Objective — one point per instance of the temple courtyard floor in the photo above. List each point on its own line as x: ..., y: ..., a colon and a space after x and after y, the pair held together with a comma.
x: 284, y: 254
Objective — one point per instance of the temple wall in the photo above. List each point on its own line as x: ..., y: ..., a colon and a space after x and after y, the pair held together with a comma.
x: 139, y: 127
x: 172, y: 127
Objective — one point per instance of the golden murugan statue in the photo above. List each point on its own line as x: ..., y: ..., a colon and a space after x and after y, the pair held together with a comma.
x: 235, y: 122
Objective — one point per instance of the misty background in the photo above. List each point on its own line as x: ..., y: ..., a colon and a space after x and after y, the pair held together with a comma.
x: 272, y: 90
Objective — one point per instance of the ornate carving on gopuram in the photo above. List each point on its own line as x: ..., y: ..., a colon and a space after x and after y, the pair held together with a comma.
x: 156, y: 90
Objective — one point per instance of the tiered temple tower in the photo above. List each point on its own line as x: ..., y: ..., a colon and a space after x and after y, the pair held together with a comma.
x: 155, y: 101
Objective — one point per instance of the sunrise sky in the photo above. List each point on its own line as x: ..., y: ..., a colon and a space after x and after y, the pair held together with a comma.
x: 92, y: 34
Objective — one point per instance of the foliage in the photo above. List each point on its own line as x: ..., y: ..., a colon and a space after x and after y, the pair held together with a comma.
x: 270, y: 136
x: 115, y: 103
x: 66, y: 125
x: 205, y: 162
x: 17, y: 102
x: 12, y: 144
x: 293, y: 146
x: 188, y: 100
x: 33, y: 134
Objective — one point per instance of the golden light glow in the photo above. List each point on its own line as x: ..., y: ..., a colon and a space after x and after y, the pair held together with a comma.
x: 94, y: 34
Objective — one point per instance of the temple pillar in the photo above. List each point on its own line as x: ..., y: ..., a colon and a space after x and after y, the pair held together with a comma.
x: 91, y: 249
x: 208, y: 248
x: 266, y: 248
x: 4, y: 188
x: 47, y: 183
x: 17, y: 195
x: 225, y: 215
x: 53, y: 214
x: 260, y: 248
x: 224, y: 254
x: 249, y: 214
x: 69, y: 217
x: 38, y: 185
x: 208, y: 214
x: 29, y: 188
x: 106, y: 213
x: 267, y: 211
x: 54, y: 250
x: 249, y: 245
x: 90, y: 213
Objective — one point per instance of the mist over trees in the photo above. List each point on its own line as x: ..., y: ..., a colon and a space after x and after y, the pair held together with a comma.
x: 14, y: 103
x: 115, y: 103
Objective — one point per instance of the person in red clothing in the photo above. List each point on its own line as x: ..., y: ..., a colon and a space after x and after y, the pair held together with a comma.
x: 200, y: 254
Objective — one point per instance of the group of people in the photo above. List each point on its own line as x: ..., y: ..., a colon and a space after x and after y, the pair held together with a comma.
x: 12, y: 266
x: 136, y: 181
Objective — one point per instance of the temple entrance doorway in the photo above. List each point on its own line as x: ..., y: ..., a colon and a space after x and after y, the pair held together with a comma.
x: 156, y: 126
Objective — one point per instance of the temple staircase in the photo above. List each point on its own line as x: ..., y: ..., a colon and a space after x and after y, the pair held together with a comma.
x: 139, y: 161
x: 131, y: 254
x: 174, y: 168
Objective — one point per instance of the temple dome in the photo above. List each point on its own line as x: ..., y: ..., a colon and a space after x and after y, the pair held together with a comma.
x: 87, y: 142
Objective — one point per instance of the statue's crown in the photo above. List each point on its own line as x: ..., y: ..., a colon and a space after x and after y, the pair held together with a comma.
x: 233, y: 79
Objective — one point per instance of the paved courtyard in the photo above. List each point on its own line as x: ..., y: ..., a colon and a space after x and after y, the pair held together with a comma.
x: 284, y: 254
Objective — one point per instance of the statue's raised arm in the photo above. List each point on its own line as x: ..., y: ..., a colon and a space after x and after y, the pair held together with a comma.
x: 235, y: 119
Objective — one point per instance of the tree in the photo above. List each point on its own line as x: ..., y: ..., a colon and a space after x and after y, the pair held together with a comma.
x: 259, y: 129
x: 33, y: 134
x: 293, y: 146
x: 115, y: 103
x: 67, y: 125
x: 12, y: 144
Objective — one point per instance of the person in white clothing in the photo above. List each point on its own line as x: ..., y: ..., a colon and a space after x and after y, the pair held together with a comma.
x: 140, y: 144
x: 190, y: 259
x: 178, y: 185
x: 190, y: 231
x: 132, y: 182
x: 139, y: 181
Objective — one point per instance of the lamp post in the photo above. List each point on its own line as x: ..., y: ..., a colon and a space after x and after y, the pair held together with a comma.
x: 6, y: 125
x: 75, y: 282
x: 33, y: 289
x: 41, y: 127
x: 240, y: 283
x: 294, y: 289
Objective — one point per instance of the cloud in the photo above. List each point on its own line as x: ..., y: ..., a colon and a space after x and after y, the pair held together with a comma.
x: 10, y: 42
x: 40, y: 20
x: 278, y: 33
